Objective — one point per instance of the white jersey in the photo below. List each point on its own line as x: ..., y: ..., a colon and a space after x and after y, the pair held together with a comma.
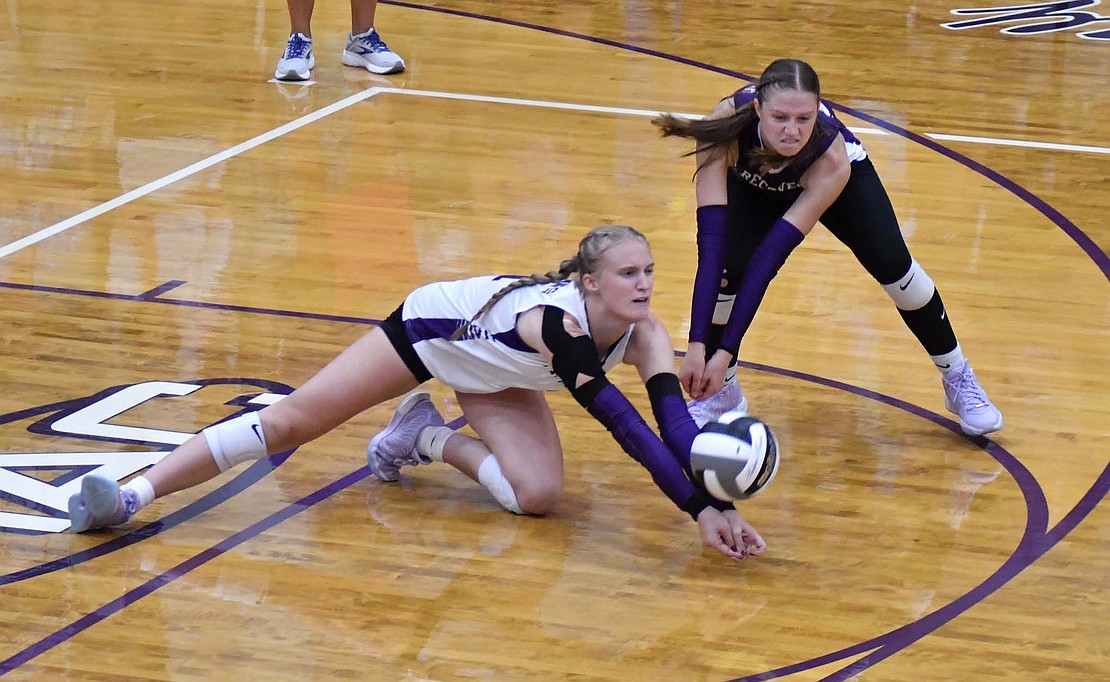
x: 489, y: 356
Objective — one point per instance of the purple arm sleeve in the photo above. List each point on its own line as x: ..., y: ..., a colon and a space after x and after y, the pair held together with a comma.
x: 616, y: 413
x: 711, y: 265
x: 765, y: 262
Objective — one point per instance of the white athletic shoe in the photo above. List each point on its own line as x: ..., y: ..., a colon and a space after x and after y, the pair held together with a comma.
x: 297, y: 62
x: 965, y: 397
x: 368, y: 51
x: 730, y: 398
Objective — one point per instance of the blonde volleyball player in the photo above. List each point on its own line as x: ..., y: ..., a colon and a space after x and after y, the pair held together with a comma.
x: 499, y: 342
x: 773, y: 160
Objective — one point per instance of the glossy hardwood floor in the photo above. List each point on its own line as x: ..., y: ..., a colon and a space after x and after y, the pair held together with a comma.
x: 164, y: 258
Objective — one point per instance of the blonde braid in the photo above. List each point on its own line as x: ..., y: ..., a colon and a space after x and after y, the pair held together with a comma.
x: 566, y: 269
x: 588, y: 259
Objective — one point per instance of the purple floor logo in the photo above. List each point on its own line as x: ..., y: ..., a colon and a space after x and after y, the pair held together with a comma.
x: 35, y: 486
x: 1045, y: 17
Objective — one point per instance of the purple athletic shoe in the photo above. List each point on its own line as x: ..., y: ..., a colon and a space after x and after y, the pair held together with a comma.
x: 395, y: 446
x: 964, y: 396
x: 101, y: 503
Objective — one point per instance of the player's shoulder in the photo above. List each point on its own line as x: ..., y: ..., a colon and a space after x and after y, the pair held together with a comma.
x: 743, y: 96
x: 723, y: 109
x: 548, y: 313
x: 649, y: 328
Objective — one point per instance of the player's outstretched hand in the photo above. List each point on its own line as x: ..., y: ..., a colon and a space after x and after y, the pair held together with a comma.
x: 748, y: 540
x: 691, y: 371
x: 716, y: 532
x: 714, y: 376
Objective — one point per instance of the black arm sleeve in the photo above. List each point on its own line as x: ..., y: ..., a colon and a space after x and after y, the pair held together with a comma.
x: 571, y: 356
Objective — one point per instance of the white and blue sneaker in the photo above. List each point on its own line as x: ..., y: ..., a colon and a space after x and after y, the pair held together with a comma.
x: 368, y: 51
x: 729, y: 399
x: 395, y: 446
x: 101, y: 503
x: 297, y: 62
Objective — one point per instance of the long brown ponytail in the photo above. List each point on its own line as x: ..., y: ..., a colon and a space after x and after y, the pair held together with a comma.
x: 709, y: 134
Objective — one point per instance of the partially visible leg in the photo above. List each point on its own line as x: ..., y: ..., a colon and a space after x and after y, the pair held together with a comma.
x: 362, y: 15
x: 300, y: 16
x: 297, y: 61
x: 864, y: 220
x: 365, y: 374
x: 365, y: 48
x: 517, y: 456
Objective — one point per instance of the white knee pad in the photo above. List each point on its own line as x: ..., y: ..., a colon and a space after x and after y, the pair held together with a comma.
x: 489, y: 475
x: 913, y: 290
x: 236, y: 440
x: 723, y: 308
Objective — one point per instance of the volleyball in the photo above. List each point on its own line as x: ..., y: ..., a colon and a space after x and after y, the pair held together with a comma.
x: 735, y: 456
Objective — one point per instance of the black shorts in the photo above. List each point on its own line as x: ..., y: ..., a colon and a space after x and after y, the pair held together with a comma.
x: 394, y: 328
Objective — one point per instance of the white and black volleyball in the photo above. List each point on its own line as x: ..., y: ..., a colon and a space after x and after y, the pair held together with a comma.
x: 735, y: 456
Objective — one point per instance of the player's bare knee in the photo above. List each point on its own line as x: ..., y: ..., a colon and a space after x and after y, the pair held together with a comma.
x: 538, y: 497
x: 279, y: 430
x: 286, y: 426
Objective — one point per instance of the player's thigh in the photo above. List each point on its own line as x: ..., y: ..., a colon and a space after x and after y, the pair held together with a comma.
x: 368, y: 372
x: 518, y: 427
x: 863, y: 219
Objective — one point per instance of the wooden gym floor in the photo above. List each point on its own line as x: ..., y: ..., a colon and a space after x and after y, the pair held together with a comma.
x: 180, y: 236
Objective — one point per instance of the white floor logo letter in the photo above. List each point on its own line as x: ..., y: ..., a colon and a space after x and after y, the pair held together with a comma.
x: 1045, y: 17
x: 89, y: 418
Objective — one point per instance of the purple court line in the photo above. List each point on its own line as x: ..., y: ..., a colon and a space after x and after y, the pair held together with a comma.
x: 153, y: 296
x: 1029, y: 550
x: 159, y: 290
x: 149, y: 587
x: 1035, y: 542
x: 1078, y: 236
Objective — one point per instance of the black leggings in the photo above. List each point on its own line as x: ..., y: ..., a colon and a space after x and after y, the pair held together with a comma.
x: 863, y: 219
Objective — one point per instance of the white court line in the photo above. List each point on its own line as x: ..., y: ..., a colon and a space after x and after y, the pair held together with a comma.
x: 370, y: 92
x: 1020, y: 143
x: 530, y: 102
x: 197, y: 167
